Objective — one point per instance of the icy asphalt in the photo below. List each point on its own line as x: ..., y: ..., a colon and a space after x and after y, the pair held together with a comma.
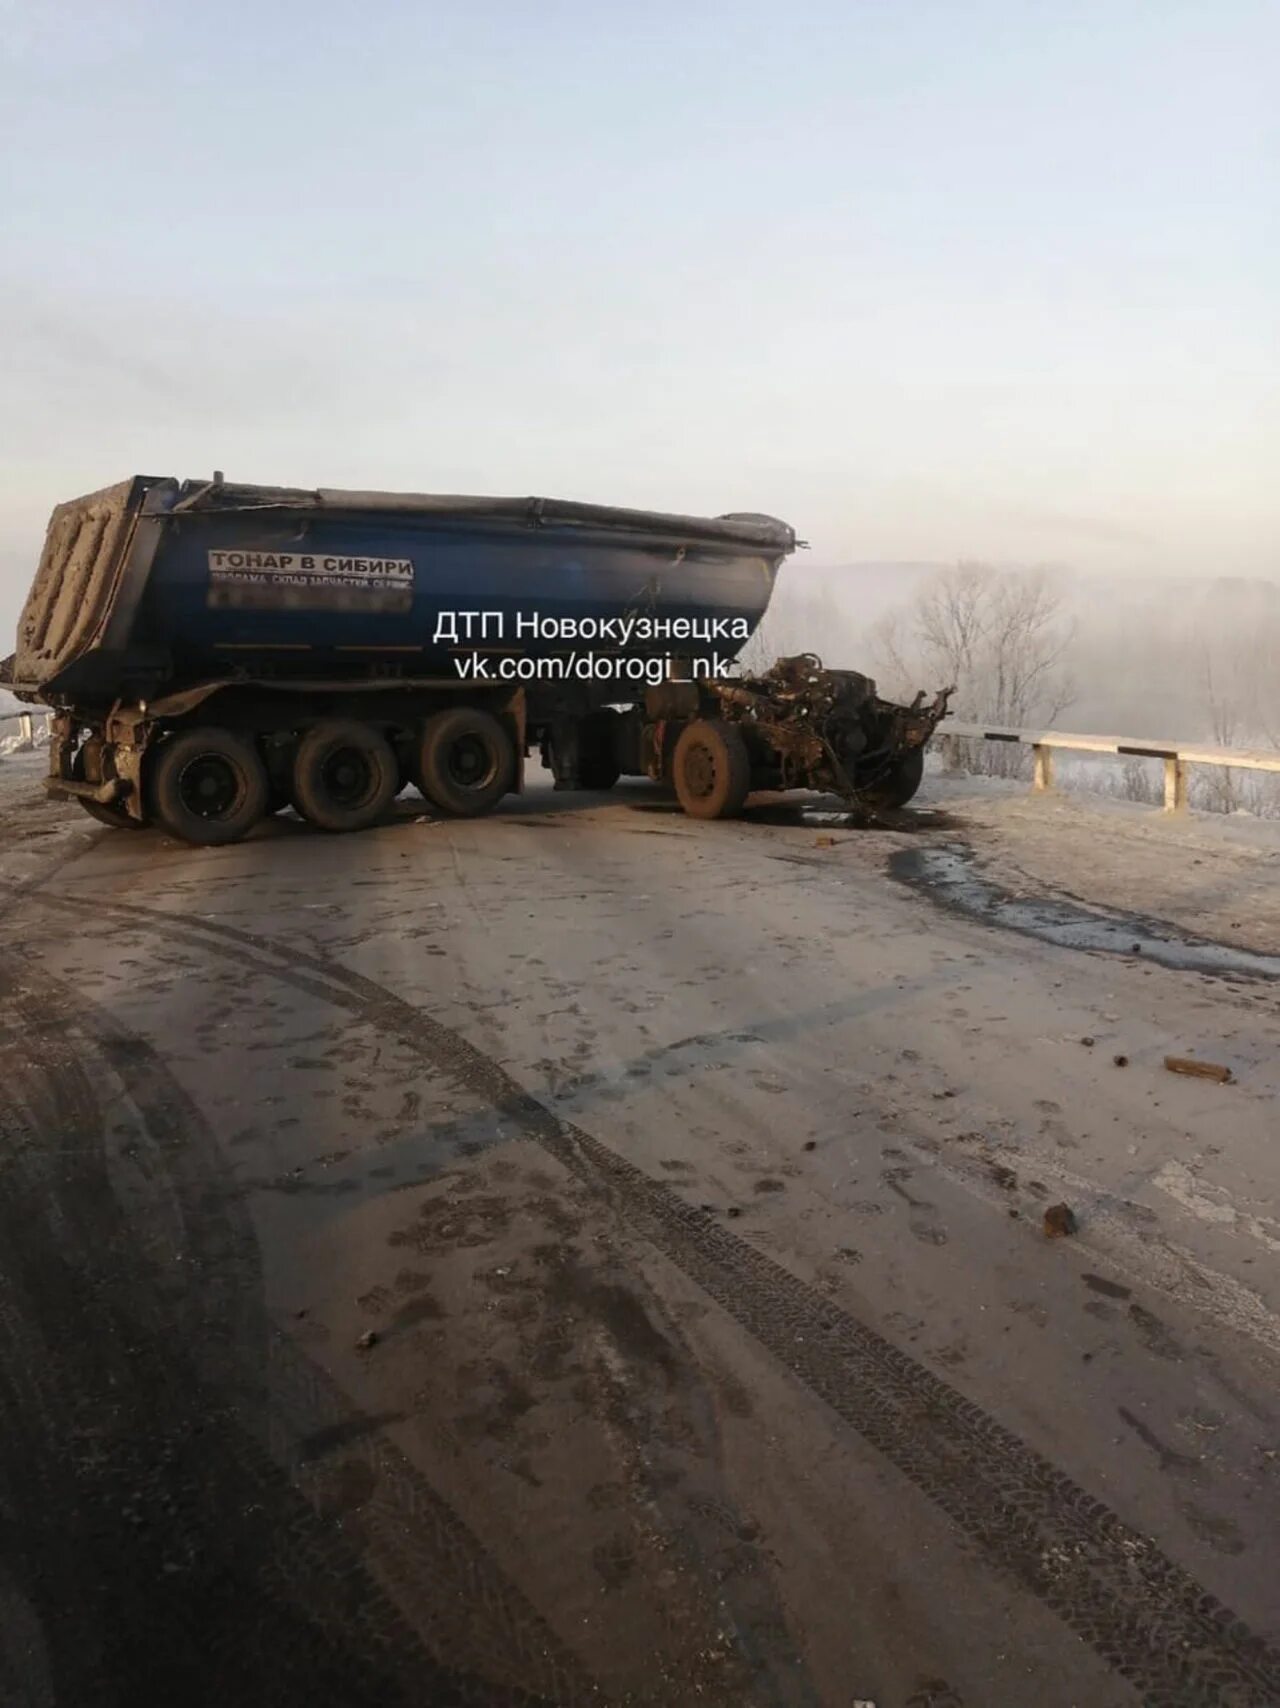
x: 590, y: 1256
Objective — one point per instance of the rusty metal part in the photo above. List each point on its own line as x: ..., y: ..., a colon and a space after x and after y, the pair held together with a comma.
x: 1199, y: 1070
x: 1060, y: 1222
x: 825, y: 729
x: 106, y: 794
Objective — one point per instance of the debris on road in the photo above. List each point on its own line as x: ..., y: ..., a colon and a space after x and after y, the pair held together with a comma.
x: 1121, y: 1061
x: 367, y: 1339
x: 1059, y: 1221
x: 824, y: 842
x: 1199, y: 1070
x: 1088, y: 1042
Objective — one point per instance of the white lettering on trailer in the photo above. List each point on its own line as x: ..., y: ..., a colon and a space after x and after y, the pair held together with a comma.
x: 310, y: 569
x: 309, y: 581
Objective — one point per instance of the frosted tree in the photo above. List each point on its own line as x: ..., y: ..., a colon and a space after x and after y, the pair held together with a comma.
x: 999, y: 637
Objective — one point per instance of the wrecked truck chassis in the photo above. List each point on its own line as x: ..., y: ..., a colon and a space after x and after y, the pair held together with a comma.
x: 807, y: 727
x: 796, y: 725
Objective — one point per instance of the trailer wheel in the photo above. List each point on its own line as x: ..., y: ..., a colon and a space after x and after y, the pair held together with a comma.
x: 466, y: 761
x: 209, y: 786
x: 345, y: 776
x: 897, y: 785
x: 711, y: 769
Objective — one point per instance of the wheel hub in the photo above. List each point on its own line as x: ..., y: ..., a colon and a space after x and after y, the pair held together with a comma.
x: 470, y: 763
x: 209, y: 786
x: 700, y: 771
x: 348, y: 778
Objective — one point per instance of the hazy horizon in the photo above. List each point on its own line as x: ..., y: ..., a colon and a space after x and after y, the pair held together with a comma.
x: 930, y: 282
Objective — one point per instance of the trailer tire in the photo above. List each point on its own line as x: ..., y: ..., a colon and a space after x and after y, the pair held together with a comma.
x: 345, y: 775
x: 711, y: 769
x: 898, y: 784
x: 466, y: 761
x: 209, y: 786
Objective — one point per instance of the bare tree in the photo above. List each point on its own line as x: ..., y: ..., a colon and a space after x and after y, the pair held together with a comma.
x: 890, y: 650
x: 1262, y: 673
x: 953, y: 618
x: 1219, y: 787
x: 1000, y: 637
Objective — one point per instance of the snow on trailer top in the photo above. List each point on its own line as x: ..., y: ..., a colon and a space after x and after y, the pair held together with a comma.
x: 764, y: 533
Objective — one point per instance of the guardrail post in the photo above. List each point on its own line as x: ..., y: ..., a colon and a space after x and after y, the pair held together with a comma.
x: 1175, y: 786
x: 1043, y: 776
x: 953, y: 755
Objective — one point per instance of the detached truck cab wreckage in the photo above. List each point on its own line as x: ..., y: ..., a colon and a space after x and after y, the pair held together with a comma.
x: 215, y: 652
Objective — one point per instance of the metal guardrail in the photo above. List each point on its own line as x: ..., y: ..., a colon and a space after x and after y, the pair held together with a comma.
x: 1177, y: 756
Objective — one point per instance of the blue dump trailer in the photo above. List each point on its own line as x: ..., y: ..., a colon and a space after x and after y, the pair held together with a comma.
x: 214, y: 652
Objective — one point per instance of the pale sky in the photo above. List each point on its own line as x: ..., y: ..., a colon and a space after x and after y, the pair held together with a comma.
x: 927, y: 280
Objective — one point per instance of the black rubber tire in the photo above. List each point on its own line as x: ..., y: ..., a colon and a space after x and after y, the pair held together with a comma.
x: 345, y: 775
x: 896, y: 787
x: 113, y: 816
x: 711, y: 769
x: 466, y: 761
x: 208, y: 786
x: 598, y: 767
x: 110, y: 813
